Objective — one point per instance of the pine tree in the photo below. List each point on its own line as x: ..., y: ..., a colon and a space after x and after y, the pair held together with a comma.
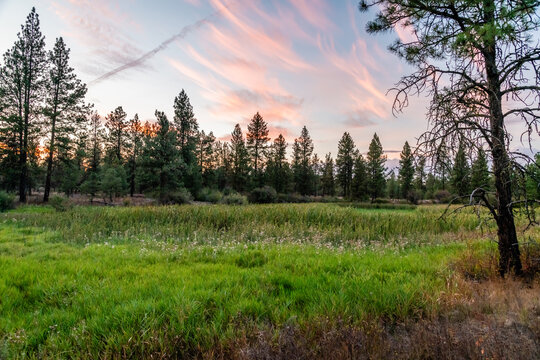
x: 134, y: 145
x: 360, y: 179
x: 239, y: 160
x: 223, y: 164
x: 257, y: 139
x: 480, y: 178
x: 187, y: 129
x: 96, y: 137
x: 22, y: 81
x: 64, y: 103
x: 392, y: 186
x: 302, y: 152
x: 113, y: 181
x: 327, y: 179
x: 316, y: 170
x: 532, y: 179
x: 406, y: 170
x: 161, y: 161
x: 375, y: 168
x: 117, y: 136
x: 420, y: 178
x: 278, y: 168
x: 345, y: 163
x: 461, y: 174
x: 206, y: 158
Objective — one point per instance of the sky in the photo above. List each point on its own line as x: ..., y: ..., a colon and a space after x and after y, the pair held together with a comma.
x: 297, y: 62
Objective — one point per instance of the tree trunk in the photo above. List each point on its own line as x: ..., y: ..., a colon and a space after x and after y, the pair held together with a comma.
x: 49, y: 164
x: 509, y: 255
x: 23, y: 163
x: 51, y: 148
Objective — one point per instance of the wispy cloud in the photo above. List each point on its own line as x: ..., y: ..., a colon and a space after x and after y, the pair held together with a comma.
x: 146, y: 56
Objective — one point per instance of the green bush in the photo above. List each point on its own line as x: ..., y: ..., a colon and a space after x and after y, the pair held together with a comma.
x: 264, y: 195
x: 59, y: 203
x: 182, y: 196
x: 293, y: 198
x: 7, y: 201
x: 443, y: 196
x: 210, y: 195
x: 234, y: 199
x: 413, y: 196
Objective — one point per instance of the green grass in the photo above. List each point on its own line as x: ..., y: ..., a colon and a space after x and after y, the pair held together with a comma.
x: 101, y: 282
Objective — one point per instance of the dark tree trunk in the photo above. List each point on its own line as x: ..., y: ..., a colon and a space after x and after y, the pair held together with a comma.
x: 509, y: 256
x: 51, y: 149
x: 132, y: 179
x: 23, y: 164
x: 49, y: 164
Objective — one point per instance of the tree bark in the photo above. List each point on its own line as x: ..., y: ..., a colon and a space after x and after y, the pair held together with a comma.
x: 509, y: 255
x: 51, y: 153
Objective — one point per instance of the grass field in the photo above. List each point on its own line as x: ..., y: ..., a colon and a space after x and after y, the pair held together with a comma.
x: 212, y: 281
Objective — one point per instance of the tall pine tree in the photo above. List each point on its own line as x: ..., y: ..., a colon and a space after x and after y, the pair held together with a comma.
x: 406, y: 170
x: 134, y: 145
x: 327, y: 179
x: 375, y: 168
x: 239, y: 160
x: 480, y: 178
x: 461, y: 172
x: 117, y: 135
x: 360, y: 179
x: 22, y: 81
x: 257, y: 139
x: 345, y: 163
x: 278, y: 168
x: 187, y: 128
x: 303, y: 172
x: 161, y: 161
x: 64, y: 103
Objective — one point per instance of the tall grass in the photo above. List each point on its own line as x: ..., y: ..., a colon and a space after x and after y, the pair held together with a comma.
x: 320, y: 223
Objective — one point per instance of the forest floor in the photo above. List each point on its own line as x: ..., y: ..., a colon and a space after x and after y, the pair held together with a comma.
x: 261, y: 282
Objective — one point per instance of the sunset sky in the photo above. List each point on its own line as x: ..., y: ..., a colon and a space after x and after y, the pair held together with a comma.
x: 297, y: 62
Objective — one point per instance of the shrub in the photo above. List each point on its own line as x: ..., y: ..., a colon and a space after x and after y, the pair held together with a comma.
x: 443, y: 196
x: 182, y: 196
x: 234, y: 199
x: 210, y: 195
x: 60, y: 203
x: 413, y: 196
x: 264, y: 195
x: 228, y: 191
x: 381, y: 201
x: 7, y: 201
x: 293, y: 198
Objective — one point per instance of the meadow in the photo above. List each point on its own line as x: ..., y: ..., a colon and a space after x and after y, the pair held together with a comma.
x: 256, y: 281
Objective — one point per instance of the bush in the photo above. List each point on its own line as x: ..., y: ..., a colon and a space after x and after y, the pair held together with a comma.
x: 234, y: 199
x: 228, y: 191
x: 210, y: 195
x: 293, y: 198
x: 413, y: 196
x: 264, y: 195
x: 443, y: 196
x: 381, y: 201
x: 182, y: 196
x: 7, y: 201
x: 60, y: 203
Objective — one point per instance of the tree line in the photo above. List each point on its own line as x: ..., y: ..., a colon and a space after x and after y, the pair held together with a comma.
x: 52, y: 139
